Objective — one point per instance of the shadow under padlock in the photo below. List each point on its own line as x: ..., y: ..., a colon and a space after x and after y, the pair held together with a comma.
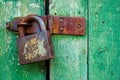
x: 34, y: 40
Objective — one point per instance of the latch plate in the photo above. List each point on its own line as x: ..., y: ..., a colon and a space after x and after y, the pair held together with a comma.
x: 56, y: 25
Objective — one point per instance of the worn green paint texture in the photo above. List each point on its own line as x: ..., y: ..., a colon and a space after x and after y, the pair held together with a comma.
x: 104, y: 39
x: 70, y: 61
x: 10, y: 69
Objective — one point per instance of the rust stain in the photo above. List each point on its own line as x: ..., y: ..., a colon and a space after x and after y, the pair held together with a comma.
x: 33, y: 48
x: 56, y: 25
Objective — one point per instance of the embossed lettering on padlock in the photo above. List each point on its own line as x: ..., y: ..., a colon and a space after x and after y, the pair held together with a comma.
x: 33, y: 47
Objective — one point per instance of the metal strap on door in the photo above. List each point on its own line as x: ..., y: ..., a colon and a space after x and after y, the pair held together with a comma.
x: 34, y: 42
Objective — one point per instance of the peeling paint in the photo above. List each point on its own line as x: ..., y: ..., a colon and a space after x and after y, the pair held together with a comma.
x: 70, y: 58
x: 1, y: 1
x: 10, y: 69
x: 34, y: 5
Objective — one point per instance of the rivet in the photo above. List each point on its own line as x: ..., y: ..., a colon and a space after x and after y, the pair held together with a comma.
x: 61, y: 29
x: 78, y: 26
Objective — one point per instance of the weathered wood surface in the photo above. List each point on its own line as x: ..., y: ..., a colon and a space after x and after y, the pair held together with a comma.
x: 70, y: 61
x: 10, y: 69
x: 104, y: 40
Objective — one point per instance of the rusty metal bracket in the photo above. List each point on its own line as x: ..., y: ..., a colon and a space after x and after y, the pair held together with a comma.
x: 56, y: 25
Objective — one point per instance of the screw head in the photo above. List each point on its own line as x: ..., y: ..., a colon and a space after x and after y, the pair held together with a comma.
x: 78, y: 26
x: 61, y: 29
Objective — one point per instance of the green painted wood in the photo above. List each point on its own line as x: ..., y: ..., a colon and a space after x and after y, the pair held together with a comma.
x: 104, y: 39
x: 70, y: 61
x: 10, y: 69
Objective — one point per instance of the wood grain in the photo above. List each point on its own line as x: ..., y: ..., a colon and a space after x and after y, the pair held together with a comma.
x: 104, y: 40
x: 10, y: 69
x: 70, y: 61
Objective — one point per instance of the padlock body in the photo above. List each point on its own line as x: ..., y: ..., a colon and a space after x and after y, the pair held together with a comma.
x: 33, y: 48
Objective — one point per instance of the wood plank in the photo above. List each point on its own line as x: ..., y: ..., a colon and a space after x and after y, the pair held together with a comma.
x: 70, y: 61
x: 104, y: 40
x: 10, y: 69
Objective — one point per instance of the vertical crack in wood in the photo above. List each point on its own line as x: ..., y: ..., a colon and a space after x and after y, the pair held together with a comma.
x: 46, y: 7
x: 48, y: 61
x: 87, y: 39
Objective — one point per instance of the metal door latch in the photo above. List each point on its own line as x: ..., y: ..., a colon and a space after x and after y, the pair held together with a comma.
x: 34, y: 41
x: 55, y: 25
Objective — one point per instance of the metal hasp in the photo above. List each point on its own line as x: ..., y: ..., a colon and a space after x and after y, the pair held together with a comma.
x: 34, y: 41
x: 55, y: 25
x: 67, y: 25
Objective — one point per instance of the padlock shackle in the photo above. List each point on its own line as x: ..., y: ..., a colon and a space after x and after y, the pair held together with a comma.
x: 27, y: 20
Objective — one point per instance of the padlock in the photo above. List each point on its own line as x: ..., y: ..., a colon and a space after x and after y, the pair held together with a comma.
x: 33, y: 47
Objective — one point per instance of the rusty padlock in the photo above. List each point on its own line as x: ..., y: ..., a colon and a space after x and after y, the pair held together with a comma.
x: 34, y: 47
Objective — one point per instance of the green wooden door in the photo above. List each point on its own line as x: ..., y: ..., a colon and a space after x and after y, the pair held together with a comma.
x: 104, y: 39
x: 70, y: 61
x: 94, y: 56
x: 10, y: 69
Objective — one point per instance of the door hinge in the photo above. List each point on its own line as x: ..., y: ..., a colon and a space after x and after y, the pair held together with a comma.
x: 55, y: 24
